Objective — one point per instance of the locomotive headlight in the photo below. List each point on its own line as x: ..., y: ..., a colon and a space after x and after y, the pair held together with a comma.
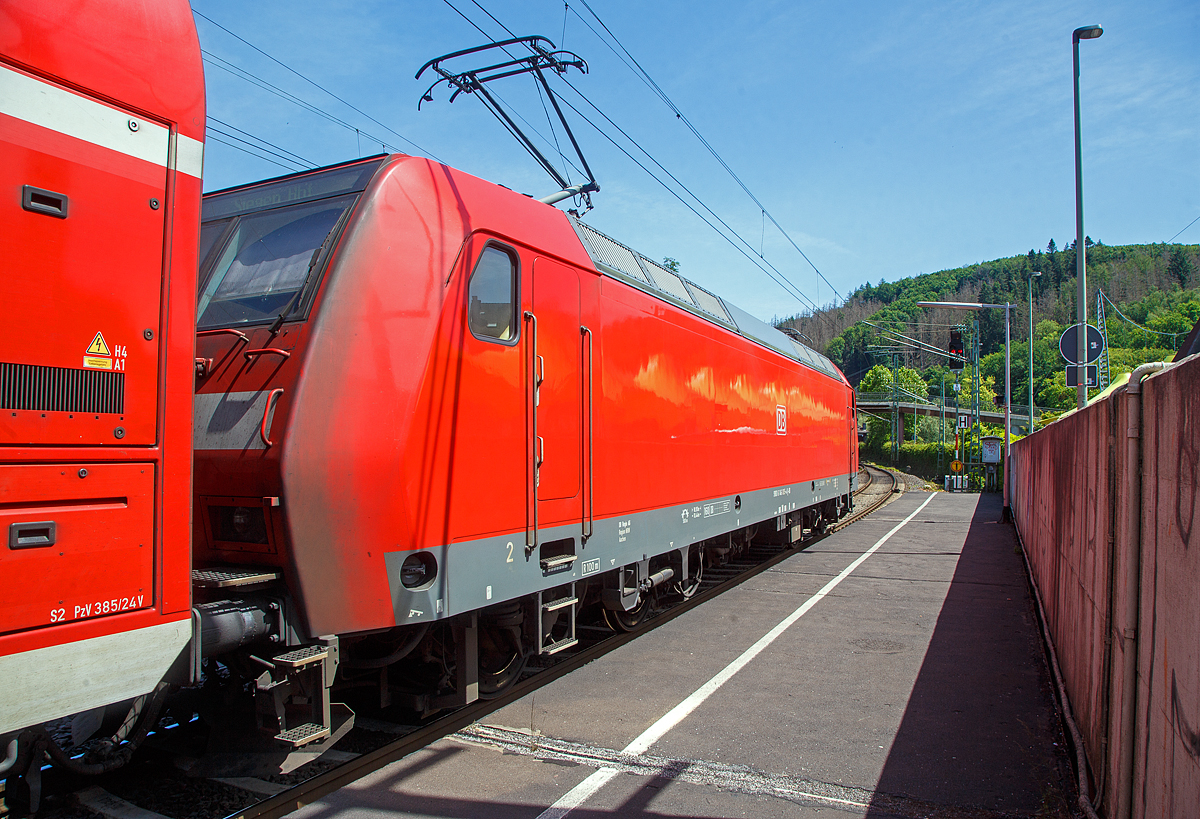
x: 241, y: 520
x: 238, y: 524
x: 418, y: 571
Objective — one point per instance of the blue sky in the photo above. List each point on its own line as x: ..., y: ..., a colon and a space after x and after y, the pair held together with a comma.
x: 887, y: 139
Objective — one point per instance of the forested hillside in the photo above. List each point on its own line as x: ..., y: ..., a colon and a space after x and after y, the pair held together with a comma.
x: 1155, y: 286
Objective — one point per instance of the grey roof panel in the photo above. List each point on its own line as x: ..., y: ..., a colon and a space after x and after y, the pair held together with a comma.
x: 613, y: 258
x: 607, y: 251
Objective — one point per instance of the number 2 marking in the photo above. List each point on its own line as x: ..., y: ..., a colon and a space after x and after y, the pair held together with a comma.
x: 510, y: 548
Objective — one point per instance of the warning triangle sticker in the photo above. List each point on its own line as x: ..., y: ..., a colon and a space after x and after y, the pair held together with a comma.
x: 98, y: 347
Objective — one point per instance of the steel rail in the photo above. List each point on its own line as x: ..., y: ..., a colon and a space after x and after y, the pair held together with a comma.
x: 866, y: 510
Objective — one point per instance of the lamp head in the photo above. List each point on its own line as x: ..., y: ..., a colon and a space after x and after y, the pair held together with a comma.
x: 1086, y: 33
x: 1033, y: 274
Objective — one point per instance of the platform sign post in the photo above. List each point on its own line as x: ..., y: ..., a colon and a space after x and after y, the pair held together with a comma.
x: 955, y: 481
x: 1091, y: 376
x: 990, y: 446
x: 1068, y: 344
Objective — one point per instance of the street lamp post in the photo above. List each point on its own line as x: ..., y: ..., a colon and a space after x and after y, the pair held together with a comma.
x: 1084, y: 33
x: 970, y: 305
x: 1033, y: 274
x: 1007, y: 400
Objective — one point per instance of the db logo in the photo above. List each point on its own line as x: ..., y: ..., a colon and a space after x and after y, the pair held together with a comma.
x: 780, y: 419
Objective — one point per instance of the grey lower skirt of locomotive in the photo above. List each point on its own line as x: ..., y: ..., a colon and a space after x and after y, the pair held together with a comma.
x: 249, y: 643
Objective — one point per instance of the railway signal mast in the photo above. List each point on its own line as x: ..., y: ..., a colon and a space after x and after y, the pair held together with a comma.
x: 905, y: 344
x: 976, y: 307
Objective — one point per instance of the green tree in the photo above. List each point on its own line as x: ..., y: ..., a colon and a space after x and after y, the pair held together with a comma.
x: 1180, y: 267
x: 879, y: 379
x: 1052, y: 391
x: 836, y: 350
x: 1048, y: 329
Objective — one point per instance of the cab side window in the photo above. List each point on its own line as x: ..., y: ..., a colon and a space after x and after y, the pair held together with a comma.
x: 492, y: 296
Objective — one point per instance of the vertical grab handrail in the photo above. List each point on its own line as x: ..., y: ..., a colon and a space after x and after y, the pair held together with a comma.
x: 588, y: 517
x: 531, y: 535
x: 262, y: 428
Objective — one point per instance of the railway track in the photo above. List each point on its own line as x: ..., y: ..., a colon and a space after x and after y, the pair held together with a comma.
x: 150, y: 789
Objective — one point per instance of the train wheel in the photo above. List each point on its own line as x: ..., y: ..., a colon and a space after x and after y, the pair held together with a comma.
x: 501, y: 658
x: 628, y: 620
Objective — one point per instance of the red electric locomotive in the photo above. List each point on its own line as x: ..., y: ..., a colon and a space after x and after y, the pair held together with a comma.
x: 436, y: 419
x: 101, y: 151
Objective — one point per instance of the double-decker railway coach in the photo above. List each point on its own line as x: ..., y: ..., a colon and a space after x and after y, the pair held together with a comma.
x: 101, y: 147
x: 437, y: 420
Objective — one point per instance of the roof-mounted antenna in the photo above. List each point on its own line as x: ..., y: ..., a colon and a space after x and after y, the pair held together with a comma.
x: 543, y: 56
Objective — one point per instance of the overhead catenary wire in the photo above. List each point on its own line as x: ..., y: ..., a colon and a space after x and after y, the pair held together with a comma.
x: 749, y: 254
x: 228, y: 67
x: 772, y: 272
x: 645, y: 75
x: 279, y: 161
x: 746, y: 249
x: 218, y: 62
x: 1173, y: 336
x: 288, y: 168
x: 1185, y: 227
x: 789, y: 287
x: 494, y: 20
x: 319, y: 87
x: 259, y: 142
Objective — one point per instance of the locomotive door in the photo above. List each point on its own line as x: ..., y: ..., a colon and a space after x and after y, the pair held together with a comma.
x: 487, y: 393
x: 853, y: 434
x: 555, y: 346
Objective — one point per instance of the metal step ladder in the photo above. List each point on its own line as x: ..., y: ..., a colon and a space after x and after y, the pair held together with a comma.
x: 549, y: 644
x: 292, y: 695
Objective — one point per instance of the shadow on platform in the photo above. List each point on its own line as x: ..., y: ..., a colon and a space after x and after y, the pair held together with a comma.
x: 980, y: 725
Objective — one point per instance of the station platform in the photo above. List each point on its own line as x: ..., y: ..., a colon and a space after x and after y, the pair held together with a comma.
x: 892, y: 669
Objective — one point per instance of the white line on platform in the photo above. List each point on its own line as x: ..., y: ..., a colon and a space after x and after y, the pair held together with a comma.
x: 579, y: 794
x: 585, y: 789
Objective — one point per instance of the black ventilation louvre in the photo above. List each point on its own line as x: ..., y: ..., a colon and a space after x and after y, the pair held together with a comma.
x: 61, y: 389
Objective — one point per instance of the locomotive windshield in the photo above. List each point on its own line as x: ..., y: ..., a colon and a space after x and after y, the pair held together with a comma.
x: 262, y: 261
x: 262, y: 246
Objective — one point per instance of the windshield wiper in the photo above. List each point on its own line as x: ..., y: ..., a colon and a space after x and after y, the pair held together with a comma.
x: 312, y: 265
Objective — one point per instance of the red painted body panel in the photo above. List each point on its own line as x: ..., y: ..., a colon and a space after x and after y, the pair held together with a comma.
x: 108, y: 520
x: 116, y: 480
x: 679, y: 394
x: 367, y: 435
x: 398, y: 429
x: 108, y: 219
x: 136, y: 54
